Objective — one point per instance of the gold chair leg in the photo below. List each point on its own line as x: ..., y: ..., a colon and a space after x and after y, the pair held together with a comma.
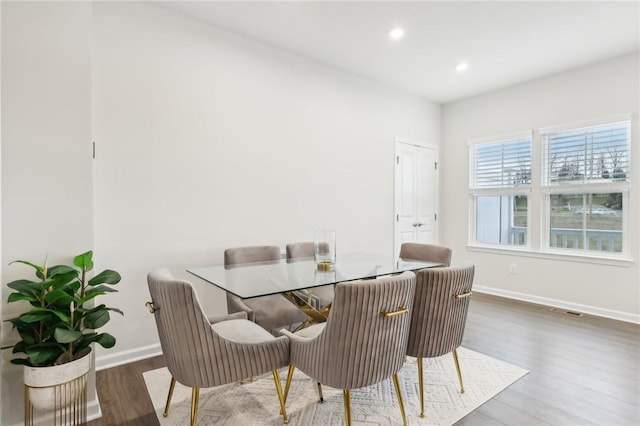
x: 195, y: 396
x: 320, y: 392
x: 283, y: 411
x: 347, y: 406
x: 455, y: 360
x: 292, y: 368
x: 421, y: 382
x: 171, y: 387
x: 396, y: 383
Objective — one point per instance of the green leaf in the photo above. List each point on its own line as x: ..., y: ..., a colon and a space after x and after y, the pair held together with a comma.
x: 34, y: 288
x: 66, y: 279
x: 85, y: 341
x: 105, y: 340
x: 117, y: 310
x: 105, y: 277
x: 41, y: 355
x: 100, y: 289
x: 84, y: 261
x: 19, y: 284
x: 61, y: 270
x: 96, y: 319
x: 21, y: 347
x: 14, y: 297
x: 82, y: 352
x: 63, y: 335
x: 33, y: 265
x: 77, y: 354
x: 50, y: 313
x: 33, y: 317
x: 95, y: 292
x: 59, y: 297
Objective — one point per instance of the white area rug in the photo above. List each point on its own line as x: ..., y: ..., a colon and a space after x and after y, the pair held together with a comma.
x: 256, y: 403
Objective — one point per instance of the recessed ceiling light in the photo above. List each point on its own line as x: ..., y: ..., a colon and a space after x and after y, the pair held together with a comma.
x: 462, y: 67
x: 396, y: 33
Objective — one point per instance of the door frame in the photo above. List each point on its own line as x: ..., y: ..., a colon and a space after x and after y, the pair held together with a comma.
x: 420, y: 144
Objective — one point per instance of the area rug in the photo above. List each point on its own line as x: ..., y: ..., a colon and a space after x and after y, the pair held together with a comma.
x: 256, y: 402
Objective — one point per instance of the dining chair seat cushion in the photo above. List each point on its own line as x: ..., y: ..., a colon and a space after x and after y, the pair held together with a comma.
x: 217, y: 318
x: 323, y: 295
x: 273, y: 311
x: 242, y: 331
x: 311, y: 331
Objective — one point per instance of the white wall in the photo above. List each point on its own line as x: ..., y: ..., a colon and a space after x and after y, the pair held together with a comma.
x: 208, y: 140
x: 46, y: 152
x: 592, y: 92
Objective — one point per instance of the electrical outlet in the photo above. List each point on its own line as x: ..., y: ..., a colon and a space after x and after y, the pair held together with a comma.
x: 513, y: 269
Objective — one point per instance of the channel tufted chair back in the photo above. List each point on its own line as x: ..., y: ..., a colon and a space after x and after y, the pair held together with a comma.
x: 302, y: 249
x: 364, y: 339
x: 203, y: 354
x: 440, y: 309
x: 426, y: 253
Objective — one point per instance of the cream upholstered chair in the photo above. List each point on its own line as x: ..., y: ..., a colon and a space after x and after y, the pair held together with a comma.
x: 201, y: 352
x: 270, y: 312
x: 363, y: 341
x: 426, y: 252
x: 297, y: 250
x: 321, y: 295
x: 439, y: 315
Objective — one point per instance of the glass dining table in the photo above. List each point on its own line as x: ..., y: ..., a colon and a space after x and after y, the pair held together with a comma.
x: 295, y: 278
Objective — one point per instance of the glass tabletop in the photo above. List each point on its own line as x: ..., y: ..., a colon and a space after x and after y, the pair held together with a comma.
x: 247, y: 280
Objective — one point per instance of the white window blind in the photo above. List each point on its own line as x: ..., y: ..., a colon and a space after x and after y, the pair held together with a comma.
x: 500, y: 164
x: 587, y: 155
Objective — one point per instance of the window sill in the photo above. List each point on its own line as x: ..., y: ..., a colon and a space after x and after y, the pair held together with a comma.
x: 622, y: 261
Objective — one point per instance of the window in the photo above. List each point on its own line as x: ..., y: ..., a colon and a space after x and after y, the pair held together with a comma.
x: 586, y: 183
x: 580, y: 187
x: 499, y: 184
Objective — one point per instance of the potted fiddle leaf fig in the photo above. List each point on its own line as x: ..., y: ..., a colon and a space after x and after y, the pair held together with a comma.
x: 57, y: 331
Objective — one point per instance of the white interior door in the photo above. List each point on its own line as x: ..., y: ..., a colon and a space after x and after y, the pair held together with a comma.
x: 415, y: 194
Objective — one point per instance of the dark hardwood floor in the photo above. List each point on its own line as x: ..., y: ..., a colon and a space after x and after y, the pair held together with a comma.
x: 584, y: 370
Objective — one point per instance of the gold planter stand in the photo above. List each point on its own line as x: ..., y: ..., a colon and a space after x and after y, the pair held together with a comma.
x: 69, y: 404
x: 56, y: 395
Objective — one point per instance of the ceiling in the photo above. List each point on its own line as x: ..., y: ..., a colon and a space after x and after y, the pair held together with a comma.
x: 504, y: 43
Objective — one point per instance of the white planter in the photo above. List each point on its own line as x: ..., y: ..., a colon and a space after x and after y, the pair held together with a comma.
x: 57, y: 386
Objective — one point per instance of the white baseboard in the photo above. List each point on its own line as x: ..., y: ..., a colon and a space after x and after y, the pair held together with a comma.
x: 93, y: 410
x: 125, y: 357
x: 570, y: 306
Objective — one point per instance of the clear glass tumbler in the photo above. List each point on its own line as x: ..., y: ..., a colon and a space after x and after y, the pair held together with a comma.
x: 325, y: 249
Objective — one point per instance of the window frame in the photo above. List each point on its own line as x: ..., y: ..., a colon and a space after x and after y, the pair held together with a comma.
x: 519, y: 190
x: 548, y: 188
x: 546, y: 229
x: 539, y: 199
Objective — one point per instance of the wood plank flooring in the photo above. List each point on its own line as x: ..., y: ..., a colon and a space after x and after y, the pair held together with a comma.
x: 584, y: 370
